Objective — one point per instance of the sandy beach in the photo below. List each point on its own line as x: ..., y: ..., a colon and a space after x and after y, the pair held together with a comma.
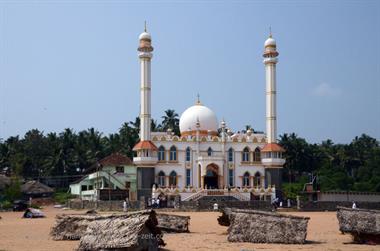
x: 33, y: 234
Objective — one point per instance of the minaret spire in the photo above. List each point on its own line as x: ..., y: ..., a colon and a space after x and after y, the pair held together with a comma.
x: 270, y: 31
x: 145, y: 26
x: 198, y: 100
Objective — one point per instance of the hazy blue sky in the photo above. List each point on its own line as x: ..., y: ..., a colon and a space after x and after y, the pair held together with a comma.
x: 74, y: 64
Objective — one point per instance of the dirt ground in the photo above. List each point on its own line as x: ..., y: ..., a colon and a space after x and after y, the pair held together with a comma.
x: 33, y: 234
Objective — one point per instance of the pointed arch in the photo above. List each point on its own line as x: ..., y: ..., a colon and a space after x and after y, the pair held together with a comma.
x: 257, y: 180
x: 230, y: 154
x: 161, y: 153
x: 246, y: 179
x: 257, y: 155
x: 209, y: 151
x: 173, y: 153
x: 161, y: 179
x: 245, y: 154
x: 173, y: 178
x: 188, y: 153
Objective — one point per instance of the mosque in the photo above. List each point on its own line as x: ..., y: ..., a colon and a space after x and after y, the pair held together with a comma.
x: 208, y: 159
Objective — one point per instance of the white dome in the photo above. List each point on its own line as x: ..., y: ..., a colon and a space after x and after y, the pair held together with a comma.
x: 145, y: 35
x: 207, y: 119
x: 270, y: 42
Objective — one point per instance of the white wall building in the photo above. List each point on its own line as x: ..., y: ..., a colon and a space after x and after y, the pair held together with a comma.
x: 207, y: 156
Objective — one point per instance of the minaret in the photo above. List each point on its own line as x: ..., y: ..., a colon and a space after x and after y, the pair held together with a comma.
x: 272, y: 152
x: 270, y: 61
x: 145, y: 54
x: 146, y: 151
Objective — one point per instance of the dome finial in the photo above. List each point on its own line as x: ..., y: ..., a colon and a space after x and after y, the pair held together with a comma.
x: 198, y: 100
x: 270, y: 31
x: 145, y: 26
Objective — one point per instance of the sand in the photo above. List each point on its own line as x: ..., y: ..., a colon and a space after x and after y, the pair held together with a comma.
x: 33, y: 234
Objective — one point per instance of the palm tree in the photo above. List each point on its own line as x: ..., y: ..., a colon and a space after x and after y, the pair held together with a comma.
x: 170, y: 121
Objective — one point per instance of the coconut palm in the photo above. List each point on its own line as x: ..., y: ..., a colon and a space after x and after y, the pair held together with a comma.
x: 170, y: 121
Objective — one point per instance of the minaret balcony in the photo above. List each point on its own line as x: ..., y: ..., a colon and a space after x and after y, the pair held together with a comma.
x: 273, y: 162
x: 145, y: 161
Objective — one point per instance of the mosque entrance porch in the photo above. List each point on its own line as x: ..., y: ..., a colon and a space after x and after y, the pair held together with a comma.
x: 211, y: 179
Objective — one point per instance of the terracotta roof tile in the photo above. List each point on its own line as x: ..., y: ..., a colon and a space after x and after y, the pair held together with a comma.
x: 272, y: 147
x: 146, y: 144
x: 116, y: 159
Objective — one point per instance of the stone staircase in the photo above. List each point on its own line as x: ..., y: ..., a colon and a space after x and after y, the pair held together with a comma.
x: 216, y: 193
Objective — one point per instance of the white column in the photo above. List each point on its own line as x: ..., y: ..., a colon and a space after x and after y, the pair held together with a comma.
x: 145, y: 96
x: 271, y: 113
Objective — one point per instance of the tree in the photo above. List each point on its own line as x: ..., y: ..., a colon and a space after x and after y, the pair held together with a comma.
x: 170, y: 121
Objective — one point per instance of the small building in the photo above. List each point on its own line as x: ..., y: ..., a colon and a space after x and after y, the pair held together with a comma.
x: 114, y: 178
x: 36, y: 189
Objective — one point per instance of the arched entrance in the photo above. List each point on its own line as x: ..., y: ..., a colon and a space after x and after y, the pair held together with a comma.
x: 211, y: 177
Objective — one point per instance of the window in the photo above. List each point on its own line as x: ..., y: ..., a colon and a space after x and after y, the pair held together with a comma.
x: 246, y: 179
x: 161, y: 153
x: 209, y: 151
x: 231, y: 177
x: 120, y: 169
x: 173, y: 153
x: 90, y: 187
x: 230, y: 155
x: 84, y: 188
x: 245, y: 155
x: 257, y: 180
x: 173, y: 179
x: 161, y: 179
x: 257, y: 155
x: 188, y: 154
x: 188, y: 177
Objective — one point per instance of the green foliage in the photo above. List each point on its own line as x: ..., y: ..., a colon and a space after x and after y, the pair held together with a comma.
x: 6, y: 204
x: 68, y: 153
x: 62, y: 197
x: 13, y: 191
x: 354, y: 166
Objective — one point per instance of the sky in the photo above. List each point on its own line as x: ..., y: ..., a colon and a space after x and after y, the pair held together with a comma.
x: 74, y: 64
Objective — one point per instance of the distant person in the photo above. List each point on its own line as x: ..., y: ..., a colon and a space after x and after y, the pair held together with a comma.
x: 274, y: 203
x: 158, y: 202
x: 125, y: 205
x: 353, y: 205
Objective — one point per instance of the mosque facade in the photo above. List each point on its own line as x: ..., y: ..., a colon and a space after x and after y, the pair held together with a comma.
x: 207, y: 158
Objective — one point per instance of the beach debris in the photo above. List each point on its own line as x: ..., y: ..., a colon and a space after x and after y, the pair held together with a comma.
x: 362, y: 224
x: 132, y: 232
x: 71, y: 227
x: 266, y: 227
x: 92, y: 211
x: 33, y: 213
x: 224, y: 219
x: 173, y: 223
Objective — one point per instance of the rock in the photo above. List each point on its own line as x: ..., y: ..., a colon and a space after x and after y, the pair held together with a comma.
x: 265, y: 227
x: 173, y: 223
x: 362, y: 224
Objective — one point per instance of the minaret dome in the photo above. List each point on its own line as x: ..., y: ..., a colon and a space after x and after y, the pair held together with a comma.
x: 270, y: 48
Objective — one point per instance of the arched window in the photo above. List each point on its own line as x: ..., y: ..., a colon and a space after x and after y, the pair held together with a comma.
x: 209, y: 151
x: 230, y: 155
x: 161, y: 179
x: 246, y: 179
x: 173, y: 153
x: 188, y: 154
x: 173, y: 179
x: 257, y: 180
x: 257, y: 155
x: 245, y: 155
x: 161, y: 153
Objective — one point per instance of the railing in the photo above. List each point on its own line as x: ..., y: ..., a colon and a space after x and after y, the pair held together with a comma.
x: 217, y: 192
